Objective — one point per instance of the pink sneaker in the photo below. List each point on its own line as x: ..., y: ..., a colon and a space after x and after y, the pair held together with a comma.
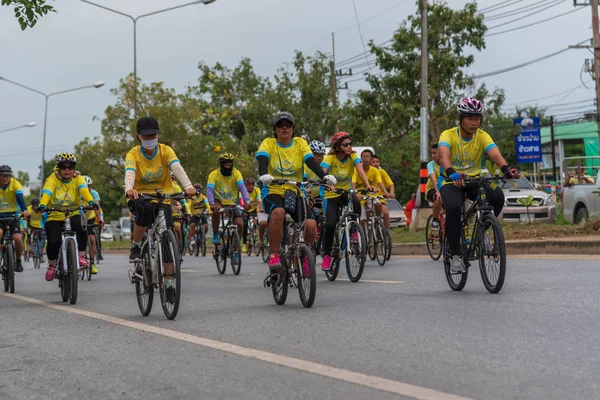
x: 274, y: 263
x: 306, y: 266
x: 83, y: 262
x: 355, y: 237
x: 50, y: 273
x: 326, y: 264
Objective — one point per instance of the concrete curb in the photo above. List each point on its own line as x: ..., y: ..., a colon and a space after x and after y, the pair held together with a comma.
x: 577, y: 245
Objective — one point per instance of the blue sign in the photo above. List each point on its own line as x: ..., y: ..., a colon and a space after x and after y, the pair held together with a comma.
x: 529, y: 141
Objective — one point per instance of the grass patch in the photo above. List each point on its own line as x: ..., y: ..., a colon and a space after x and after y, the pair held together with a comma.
x: 116, y: 244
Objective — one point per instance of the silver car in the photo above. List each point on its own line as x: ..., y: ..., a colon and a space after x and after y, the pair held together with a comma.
x: 397, y: 216
x: 514, y: 211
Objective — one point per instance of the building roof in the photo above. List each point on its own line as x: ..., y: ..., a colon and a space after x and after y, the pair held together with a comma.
x: 579, y: 130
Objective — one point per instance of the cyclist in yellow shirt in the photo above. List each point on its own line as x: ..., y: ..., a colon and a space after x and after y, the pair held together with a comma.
x: 252, y: 209
x: 432, y: 189
x: 199, y: 206
x: 36, y: 224
x: 93, y: 224
x: 462, y: 151
x: 389, y: 192
x: 11, y: 199
x: 146, y: 170
x: 65, y: 187
x: 283, y: 157
x: 374, y: 178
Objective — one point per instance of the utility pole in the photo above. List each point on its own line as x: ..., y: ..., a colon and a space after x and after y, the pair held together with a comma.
x: 333, y: 83
x: 596, y: 42
x: 424, y: 104
x: 553, y: 151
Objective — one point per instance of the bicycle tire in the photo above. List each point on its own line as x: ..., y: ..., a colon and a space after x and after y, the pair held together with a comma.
x: 355, y: 265
x: 456, y: 282
x: 307, y: 285
x: 71, y: 271
x: 144, y: 289
x: 87, y: 271
x: 195, y: 250
x: 387, y: 239
x: 279, y: 286
x: 371, y: 251
x: 63, y: 283
x: 256, y: 244
x: 379, y: 243
x: 220, y: 252
x: 497, y: 252
x: 264, y: 249
x: 235, y: 248
x: 9, y: 282
x: 169, y: 254
x: 36, y: 262
x: 434, y: 245
x: 203, y: 243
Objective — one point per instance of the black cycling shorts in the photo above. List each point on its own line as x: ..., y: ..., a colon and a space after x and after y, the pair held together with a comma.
x: 15, y: 226
x: 431, y: 194
x: 273, y: 201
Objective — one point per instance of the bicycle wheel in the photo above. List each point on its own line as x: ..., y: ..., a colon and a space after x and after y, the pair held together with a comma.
x: 306, y: 274
x: 387, y: 239
x: 195, y: 248
x: 71, y: 272
x: 356, y: 252
x: 203, y: 243
x: 87, y: 271
x: 256, y: 243
x: 379, y: 242
x: 220, y: 253
x: 235, y: 250
x: 280, y: 286
x: 334, y: 267
x: 434, y: 246
x: 144, y: 289
x: 264, y: 248
x: 63, y: 283
x: 169, y: 254
x: 371, y: 251
x: 492, y: 254
x: 9, y: 264
x: 456, y: 281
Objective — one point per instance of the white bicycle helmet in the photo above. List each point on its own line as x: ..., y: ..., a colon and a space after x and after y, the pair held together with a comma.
x: 469, y: 106
x: 317, y: 147
x: 88, y: 180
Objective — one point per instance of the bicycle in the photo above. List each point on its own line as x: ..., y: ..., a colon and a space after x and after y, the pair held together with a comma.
x: 198, y: 243
x: 8, y: 258
x: 181, y: 244
x: 348, y: 241
x: 293, y: 252
x: 159, y: 248
x: 87, y: 271
x: 26, y: 247
x: 435, y: 237
x: 252, y: 235
x: 67, y: 267
x: 229, y: 243
x: 479, y: 246
x: 320, y: 218
x: 379, y: 240
x: 36, y: 247
x: 264, y: 247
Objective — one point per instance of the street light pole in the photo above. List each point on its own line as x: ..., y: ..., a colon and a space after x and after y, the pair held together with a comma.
x: 29, y: 125
x: 135, y: 20
x: 47, y: 96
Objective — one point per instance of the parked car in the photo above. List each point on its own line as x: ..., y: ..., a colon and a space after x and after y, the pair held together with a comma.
x: 579, y: 200
x: 125, y: 225
x: 514, y: 211
x: 397, y: 216
x: 108, y: 234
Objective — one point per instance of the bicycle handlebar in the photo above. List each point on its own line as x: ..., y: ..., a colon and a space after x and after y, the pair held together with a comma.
x: 298, y: 184
x: 481, y: 179
x: 66, y: 210
x: 162, y: 196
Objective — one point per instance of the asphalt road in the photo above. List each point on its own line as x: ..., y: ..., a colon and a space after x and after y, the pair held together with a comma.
x: 399, y: 333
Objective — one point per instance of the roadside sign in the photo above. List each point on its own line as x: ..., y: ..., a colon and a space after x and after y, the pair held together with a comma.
x: 529, y: 142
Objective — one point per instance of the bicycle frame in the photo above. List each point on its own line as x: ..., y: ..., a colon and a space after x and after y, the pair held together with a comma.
x: 346, y: 215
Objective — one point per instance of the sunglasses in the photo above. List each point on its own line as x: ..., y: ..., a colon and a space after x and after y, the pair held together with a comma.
x: 347, y: 144
x: 66, y: 166
x: 284, y: 124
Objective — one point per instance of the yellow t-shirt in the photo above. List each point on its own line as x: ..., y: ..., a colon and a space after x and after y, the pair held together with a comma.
x: 176, y: 189
x: 199, y: 204
x: 254, y: 197
x: 432, y: 168
x: 385, y: 178
x: 8, y: 196
x: 151, y: 173
x: 58, y: 193
x: 466, y: 156
x: 309, y: 175
x: 285, y: 162
x: 373, y: 176
x: 35, y: 219
x: 342, y: 170
x: 225, y: 187
x: 575, y: 180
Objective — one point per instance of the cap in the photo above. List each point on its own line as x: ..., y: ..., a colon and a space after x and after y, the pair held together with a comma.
x: 147, y: 126
x: 281, y: 116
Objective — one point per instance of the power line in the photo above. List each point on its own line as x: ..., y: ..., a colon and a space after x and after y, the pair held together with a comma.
x: 516, y: 11
x: 533, y: 23
x: 546, y: 97
x: 526, y: 16
x: 508, y: 69
x: 358, y: 56
x: 498, y: 6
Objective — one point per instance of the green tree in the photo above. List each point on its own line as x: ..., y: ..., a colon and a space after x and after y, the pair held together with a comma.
x: 27, y: 12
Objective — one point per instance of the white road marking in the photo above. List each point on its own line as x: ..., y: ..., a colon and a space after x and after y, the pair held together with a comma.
x: 357, y: 378
x: 368, y: 281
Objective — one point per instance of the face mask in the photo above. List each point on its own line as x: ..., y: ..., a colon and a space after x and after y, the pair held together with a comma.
x: 226, y: 171
x: 150, y: 144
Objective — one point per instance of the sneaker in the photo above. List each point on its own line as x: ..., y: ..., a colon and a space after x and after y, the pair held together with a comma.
x: 235, y: 258
x: 135, y: 253
x: 306, y: 266
x: 42, y: 260
x: 170, y: 290
x: 215, y: 238
x: 19, y: 266
x: 435, y: 225
x: 274, y: 263
x: 354, y: 237
x: 83, y: 262
x: 326, y: 264
x: 50, y: 272
x: 94, y: 270
x: 244, y: 248
x: 100, y: 258
x: 457, y: 266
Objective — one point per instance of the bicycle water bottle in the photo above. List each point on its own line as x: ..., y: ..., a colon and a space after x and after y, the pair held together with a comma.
x: 467, y: 235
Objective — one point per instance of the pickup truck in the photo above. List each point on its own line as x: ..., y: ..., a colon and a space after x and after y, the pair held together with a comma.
x: 579, y: 200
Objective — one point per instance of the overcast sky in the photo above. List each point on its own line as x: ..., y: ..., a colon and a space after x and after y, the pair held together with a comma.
x: 82, y: 44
